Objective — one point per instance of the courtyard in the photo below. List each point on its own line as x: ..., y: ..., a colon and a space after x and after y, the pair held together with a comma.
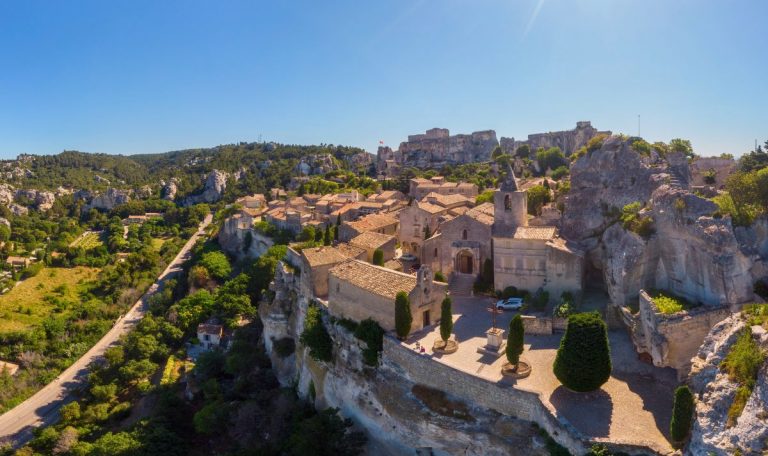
x: 633, y: 407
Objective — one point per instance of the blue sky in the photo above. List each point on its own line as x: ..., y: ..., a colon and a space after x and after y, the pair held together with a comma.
x: 151, y: 76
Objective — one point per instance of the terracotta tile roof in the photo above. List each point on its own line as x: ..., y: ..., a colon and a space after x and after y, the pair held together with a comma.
x: 482, y: 213
x: 370, y: 239
x: 207, y: 328
x: 350, y: 251
x: 456, y: 211
x: 431, y: 208
x: 544, y: 233
x: 373, y: 222
x: 446, y: 200
x: 395, y: 265
x: 374, y: 279
x: 318, y: 256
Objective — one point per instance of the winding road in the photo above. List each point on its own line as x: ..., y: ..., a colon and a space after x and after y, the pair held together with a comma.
x: 17, y: 424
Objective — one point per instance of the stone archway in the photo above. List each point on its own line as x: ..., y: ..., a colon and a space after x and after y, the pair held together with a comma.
x: 465, y: 262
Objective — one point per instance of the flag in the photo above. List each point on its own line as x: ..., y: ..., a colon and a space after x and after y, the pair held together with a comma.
x: 381, y: 142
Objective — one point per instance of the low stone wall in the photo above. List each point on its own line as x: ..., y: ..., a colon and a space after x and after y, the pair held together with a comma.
x: 538, y: 326
x: 504, y: 399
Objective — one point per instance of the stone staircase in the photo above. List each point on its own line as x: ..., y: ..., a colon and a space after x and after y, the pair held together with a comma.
x: 461, y: 285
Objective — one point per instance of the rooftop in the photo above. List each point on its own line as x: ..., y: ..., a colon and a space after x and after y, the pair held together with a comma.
x: 375, y: 279
x: 208, y: 328
x: 482, y: 213
x: 372, y: 222
x: 318, y: 256
x: 543, y: 233
x: 370, y: 239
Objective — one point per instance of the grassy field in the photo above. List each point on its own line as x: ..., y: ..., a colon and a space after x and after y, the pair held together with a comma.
x: 157, y: 243
x: 36, y: 298
x: 88, y: 240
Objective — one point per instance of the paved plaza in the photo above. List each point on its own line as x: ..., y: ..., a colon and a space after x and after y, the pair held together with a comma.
x: 634, y: 406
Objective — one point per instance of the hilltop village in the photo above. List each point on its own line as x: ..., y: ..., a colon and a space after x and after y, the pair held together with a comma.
x: 579, y: 221
x: 577, y: 292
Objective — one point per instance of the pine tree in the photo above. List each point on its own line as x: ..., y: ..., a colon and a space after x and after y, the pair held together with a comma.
x: 403, y: 318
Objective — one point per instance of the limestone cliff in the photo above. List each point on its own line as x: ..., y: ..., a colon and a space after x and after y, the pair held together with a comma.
x: 691, y: 253
x: 397, y: 414
x: 109, y: 199
x: 715, y: 392
x: 213, y: 188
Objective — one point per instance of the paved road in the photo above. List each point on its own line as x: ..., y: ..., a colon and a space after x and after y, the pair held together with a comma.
x: 17, y: 424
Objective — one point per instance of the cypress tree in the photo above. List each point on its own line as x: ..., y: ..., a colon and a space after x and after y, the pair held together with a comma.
x: 378, y: 257
x: 515, y: 340
x: 403, y: 318
x: 682, y: 414
x: 327, y: 237
x: 583, y: 361
x: 446, y: 319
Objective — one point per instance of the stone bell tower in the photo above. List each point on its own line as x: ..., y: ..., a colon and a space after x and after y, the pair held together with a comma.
x: 510, y: 206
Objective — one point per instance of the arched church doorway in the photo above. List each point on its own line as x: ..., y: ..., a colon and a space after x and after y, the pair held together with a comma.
x: 465, y: 262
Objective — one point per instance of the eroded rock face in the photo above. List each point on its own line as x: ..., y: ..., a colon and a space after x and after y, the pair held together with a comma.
x: 691, y: 253
x: 715, y: 392
x: 41, y: 200
x: 7, y: 194
x: 381, y: 401
x: 109, y: 199
x: 169, y: 190
x: 215, y: 184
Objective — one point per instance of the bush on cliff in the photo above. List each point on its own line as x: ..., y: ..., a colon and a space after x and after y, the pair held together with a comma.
x: 373, y: 335
x: 315, y: 336
x: 403, y: 317
x: 583, y: 361
x: 682, y: 414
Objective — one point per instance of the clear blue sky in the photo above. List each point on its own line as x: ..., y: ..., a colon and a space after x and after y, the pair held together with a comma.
x: 151, y: 76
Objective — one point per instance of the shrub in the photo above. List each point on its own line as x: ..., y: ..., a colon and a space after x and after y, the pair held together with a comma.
x: 668, y: 303
x: 373, y: 335
x: 403, y: 317
x: 315, y: 336
x: 378, y: 257
x: 439, y: 277
x: 583, y: 361
x: 284, y: 347
x: 682, y: 414
x: 446, y: 319
x: 349, y: 325
x: 559, y: 172
x: 217, y: 265
x: 596, y: 143
x: 742, y: 364
x: 515, y: 340
x: 641, y: 147
x: 538, y: 196
x: 566, y: 306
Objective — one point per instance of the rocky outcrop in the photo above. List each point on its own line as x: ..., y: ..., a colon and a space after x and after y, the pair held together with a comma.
x: 568, y: 141
x: 316, y: 164
x: 7, y: 194
x: 41, y: 200
x: 213, y: 189
x: 437, y: 147
x: 108, y: 200
x: 691, y: 253
x: 144, y: 192
x: 396, y: 413
x: 715, y: 392
x: 169, y: 190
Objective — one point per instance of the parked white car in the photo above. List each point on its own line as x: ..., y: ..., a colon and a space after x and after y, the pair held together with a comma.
x: 509, y: 304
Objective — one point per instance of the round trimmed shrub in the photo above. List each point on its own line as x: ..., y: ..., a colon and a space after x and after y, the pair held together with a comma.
x: 583, y: 361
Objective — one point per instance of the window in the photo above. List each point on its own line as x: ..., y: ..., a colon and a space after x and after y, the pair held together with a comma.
x: 435, y: 252
x: 507, y: 203
x: 464, y: 235
x: 542, y: 265
x: 338, y: 287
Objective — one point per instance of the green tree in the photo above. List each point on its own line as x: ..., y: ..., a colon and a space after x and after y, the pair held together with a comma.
x: 325, y: 434
x: 307, y: 234
x: 378, y: 257
x: 446, y: 319
x: 319, y: 234
x: 328, y: 237
x: 538, y: 196
x: 217, y: 264
x: 485, y: 197
x: 315, y: 336
x: 211, y: 419
x: 403, y: 317
x: 682, y: 414
x: 515, y: 340
x: 523, y: 151
x: 496, y: 152
x: 583, y: 361
x: 551, y: 158
x: 681, y: 145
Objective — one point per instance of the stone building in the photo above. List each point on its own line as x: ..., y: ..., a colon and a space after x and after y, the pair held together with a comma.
x: 359, y: 290
x: 530, y: 257
x: 463, y: 244
x: 420, y: 187
x: 379, y: 223
x: 317, y: 261
x: 370, y: 242
x: 436, y: 147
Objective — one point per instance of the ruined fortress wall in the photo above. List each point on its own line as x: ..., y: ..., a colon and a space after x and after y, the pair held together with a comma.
x: 510, y: 401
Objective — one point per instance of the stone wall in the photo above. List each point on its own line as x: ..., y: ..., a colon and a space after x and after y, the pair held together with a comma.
x: 538, y: 326
x: 568, y: 141
x: 672, y: 340
x: 515, y: 402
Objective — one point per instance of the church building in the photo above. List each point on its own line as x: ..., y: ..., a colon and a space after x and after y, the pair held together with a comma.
x: 530, y: 257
